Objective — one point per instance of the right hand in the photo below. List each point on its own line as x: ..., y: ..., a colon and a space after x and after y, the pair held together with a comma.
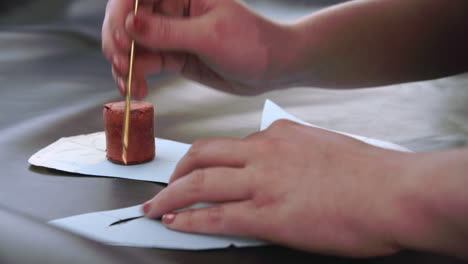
x: 219, y: 43
x: 294, y: 185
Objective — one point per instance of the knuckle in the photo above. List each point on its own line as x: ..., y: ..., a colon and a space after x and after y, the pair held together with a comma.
x: 244, y: 223
x: 197, y: 181
x: 215, y: 215
x: 263, y: 201
x: 271, y: 145
x: 197, y: 148
x: 217, y: 221
x: 255, y: 135
x: 187, y: 223
x: 281, y: 124
x: 163, y: 29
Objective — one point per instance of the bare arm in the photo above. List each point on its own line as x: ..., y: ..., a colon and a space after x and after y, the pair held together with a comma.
x: 376, y: 42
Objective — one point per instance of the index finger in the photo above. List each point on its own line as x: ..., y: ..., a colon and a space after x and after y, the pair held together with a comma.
x: 114, y: 36
x: 221, y: 152
x: 212, y: 185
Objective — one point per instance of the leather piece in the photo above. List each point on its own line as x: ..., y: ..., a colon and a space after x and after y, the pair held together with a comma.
x: 54, y: 81
x: 140, y: 134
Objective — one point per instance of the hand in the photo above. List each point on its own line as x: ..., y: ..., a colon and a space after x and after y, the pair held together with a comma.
x: 220, y: 43
x: 291, y: 184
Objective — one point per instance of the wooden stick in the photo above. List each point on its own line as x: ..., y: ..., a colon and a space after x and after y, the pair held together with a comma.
x: 128, y: 98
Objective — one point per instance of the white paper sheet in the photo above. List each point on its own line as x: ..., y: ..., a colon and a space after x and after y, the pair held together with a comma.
x: 272, y: 112
x: 86, y: 154
x: 143, y: 232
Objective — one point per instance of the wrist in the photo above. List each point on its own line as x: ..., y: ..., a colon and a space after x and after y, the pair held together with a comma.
x: 285, y: 56
x: 432, y: 208
x: 304, y: 54
x: 382, y: 216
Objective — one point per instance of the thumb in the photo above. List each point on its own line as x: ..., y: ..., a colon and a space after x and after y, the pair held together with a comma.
x: 168, y: 33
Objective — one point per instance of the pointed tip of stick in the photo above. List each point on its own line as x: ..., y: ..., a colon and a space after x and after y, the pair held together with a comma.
x: 124, y: 156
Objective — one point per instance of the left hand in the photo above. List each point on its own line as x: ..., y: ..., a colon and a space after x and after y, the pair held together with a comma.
x: 291, y: 184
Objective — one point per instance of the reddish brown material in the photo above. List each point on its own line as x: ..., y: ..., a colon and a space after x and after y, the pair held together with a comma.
x: 140, y: 136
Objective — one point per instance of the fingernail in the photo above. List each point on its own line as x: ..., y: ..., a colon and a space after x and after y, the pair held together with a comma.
x: 118, y: 36
x: 116, y: 62
x: 114, y: 73
x: 137, y: 24
x: 120, y: 40
x: 146, y: 207
x: 121, y: 85
x: 168, y: 219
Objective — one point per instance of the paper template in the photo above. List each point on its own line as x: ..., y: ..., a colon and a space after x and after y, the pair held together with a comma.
x: 86, y: 154
x: 143, y: 232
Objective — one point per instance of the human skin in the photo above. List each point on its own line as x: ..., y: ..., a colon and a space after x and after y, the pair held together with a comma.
x: 225, y: 45
x: 321, y: 192
x: 294, y: 185
x: 193, y: 50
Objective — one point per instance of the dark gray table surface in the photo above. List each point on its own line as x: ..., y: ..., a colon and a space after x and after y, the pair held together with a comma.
x: 54, y: 81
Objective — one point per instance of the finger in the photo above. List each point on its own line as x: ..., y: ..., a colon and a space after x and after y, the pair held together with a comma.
x: 174, y: 8
x: 201, y: 185
x: 222, y: 152
x: 115, y: 74
x: 170, y: 62
x: 146, y: 63
x: 140, y: 87
x: 151, y: 62
x: 162, y: 32
x: 143, y: 59
x: 121, y: 40
x: 113, y: 31
x: 119, y: 81
x: 235, y: 218
x: 116, y: 42
x: 118, y: 11
x: 138, y: 83
x: 120, y: 64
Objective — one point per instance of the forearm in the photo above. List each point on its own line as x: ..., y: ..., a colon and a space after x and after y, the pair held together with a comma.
x: 365, y: 43
x: 434, y: 211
